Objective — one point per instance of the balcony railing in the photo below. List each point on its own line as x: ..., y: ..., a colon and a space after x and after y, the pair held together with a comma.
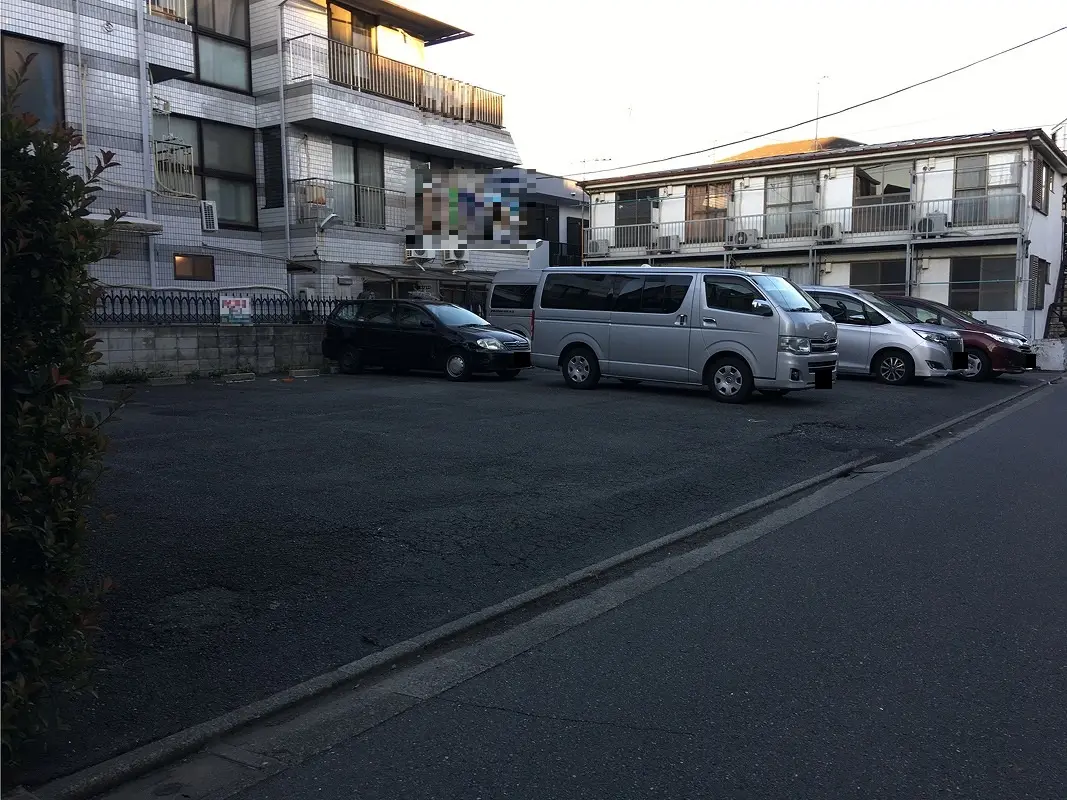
x: 313, y: 56
x: 174, y: 10
x: 175, y: 168
x: 362, y: 206
x: 868, y: 220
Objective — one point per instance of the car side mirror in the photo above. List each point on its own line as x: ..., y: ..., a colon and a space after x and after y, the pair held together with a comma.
x: 762, y: 308
x: 426, y: 323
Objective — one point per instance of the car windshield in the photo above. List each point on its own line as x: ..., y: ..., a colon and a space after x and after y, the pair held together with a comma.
x: 786, y: 294
x: 456, y: 317
x: 887, y: 308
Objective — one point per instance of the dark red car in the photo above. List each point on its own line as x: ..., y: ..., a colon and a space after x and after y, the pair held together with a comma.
x: 991, y: 351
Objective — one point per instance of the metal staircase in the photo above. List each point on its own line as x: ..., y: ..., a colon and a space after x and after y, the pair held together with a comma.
x: 1056, y: 321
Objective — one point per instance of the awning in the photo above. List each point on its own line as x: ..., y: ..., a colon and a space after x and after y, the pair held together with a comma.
x: 127, y: 224
x: 416, y: 274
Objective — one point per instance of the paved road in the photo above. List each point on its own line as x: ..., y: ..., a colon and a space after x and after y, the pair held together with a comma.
x: 907, y: 641
x: 268, y: 532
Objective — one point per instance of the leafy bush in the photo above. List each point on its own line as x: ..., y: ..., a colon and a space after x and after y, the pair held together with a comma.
x: 52, y: 450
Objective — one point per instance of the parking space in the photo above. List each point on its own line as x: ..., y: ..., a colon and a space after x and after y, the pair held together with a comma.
x: 269, y: 531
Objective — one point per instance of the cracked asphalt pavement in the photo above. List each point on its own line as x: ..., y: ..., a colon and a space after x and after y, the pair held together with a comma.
x: 267, y: 532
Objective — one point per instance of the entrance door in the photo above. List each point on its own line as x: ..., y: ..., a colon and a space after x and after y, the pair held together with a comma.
x: 416, y: 337
x: 853, y: 330
x: 727, y: 317
x: 650, y: 328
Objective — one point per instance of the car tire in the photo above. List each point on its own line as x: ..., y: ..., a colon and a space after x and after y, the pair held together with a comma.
x: 581, y: 370
x: 894, y: 368
x: 981, y: 365
x: 508, y: 374
x: 457, y: 365
x: 350, y: 361
x: 730, y: 380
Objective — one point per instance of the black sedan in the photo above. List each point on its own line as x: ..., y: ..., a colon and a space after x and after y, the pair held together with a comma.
x: 400, y: 335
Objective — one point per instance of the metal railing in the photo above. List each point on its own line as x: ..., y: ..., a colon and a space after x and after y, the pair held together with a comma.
x: 314, y: 56
x: 174, y: 10
x: 865, y: 220
x: 175, y: 168
x: 176, y: 308
x: 364, y: 206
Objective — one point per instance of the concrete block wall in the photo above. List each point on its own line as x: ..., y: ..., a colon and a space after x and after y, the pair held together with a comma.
x: 205, y: 349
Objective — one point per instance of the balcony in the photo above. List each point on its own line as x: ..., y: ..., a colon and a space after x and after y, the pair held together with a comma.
x: 174, y: 10
x: 311, y: 56
x: 356, y: 205
x: 175, y: 168
x: 870, y: 221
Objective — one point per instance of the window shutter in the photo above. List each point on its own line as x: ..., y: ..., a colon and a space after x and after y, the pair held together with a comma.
x: 273, y: 186
x: 1038, y: 277
x: 1039, y: 194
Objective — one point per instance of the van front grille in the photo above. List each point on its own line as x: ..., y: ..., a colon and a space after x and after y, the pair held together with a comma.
x: 818, y: 346
x: 517, y: 347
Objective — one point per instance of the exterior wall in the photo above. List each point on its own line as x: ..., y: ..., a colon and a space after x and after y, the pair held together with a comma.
x: 1045, y: 233
x: 205, y: 349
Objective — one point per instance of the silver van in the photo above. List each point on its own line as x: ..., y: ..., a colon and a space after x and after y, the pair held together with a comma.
x: 876, y: 337
x: 729, y: 330
x: 511, y: 299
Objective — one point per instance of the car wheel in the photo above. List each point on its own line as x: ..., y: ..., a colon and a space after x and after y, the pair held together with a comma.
x: 508, y: 374
x: 979, y: 366
x: 730, y: 380
x: 894, y: 368
x: 457, y: 365
x: 581, y: 370
x: 350, y: 361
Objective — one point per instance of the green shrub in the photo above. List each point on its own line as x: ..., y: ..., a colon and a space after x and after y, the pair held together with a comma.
x: 52, y: 450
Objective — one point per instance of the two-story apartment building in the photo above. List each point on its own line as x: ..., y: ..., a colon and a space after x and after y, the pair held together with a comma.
x: 262, y: 143
x: 973, y: 221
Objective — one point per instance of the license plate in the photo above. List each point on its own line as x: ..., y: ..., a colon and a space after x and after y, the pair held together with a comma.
x: 824, y: 379
x: 521, y: 360
x: 1031, y: 360
x: 959, y: 361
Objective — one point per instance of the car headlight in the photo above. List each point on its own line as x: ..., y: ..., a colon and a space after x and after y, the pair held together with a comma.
x: 489, y: 344
x: 1010, y: 340
x: 940, y: 338
x: 794, y: 344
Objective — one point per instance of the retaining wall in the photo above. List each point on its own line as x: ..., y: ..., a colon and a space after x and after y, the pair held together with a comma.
x: 187, y: 349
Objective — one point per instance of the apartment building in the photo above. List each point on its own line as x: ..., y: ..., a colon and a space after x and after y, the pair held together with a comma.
x: 977, y: 221
x: 262, y: 144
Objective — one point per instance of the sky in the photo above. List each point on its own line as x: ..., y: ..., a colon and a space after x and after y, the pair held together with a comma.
x: 602, y: 84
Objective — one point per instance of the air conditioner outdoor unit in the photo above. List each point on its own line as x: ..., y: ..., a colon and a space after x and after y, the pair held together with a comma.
x: 209, y: 215
x: 665, y: 244
x: 933, y: 225
x: 598, y: 247
x: 313, y: 194
x: 422, y: 255
x: 456, y: 256
x: 829, y: 232
x: 743, y: 239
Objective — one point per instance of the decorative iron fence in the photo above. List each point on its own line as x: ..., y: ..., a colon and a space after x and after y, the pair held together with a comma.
x: 175, y: 308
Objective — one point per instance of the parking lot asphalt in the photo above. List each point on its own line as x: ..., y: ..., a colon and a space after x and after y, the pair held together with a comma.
x: 266, y: 532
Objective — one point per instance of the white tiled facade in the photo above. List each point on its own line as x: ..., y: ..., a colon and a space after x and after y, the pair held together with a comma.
x: 131, y: 60
x: 1002, y: 224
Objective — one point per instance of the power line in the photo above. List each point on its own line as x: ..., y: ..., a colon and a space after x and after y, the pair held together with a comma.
x: 832, y: 113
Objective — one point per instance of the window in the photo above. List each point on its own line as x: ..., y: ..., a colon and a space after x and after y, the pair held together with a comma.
x: 633, y: 217
x: 194, y: 268
x: 730, y: 294
x: 273, y: 184
x: 786, y: 295
x: 706, y: 207
x: 376, y: 312
x: 579, y: 292
x: 797, y: 273
x: 516, y: 296
x: 1039, y: 276
x: 982, y: 284
x: 881, y: 277
x: 347, y: 313
x: 354, y: 28
x: 651, y: 294
x: 986, y: 189
x: 880, y: 197
x: 410, y: 316
x: 926, y: 316
x: 42, y: 89
x: 789, y: 204
x: 1042, y: 185
x: 222, y: 55
x: 358, y: 182
x: 848, y: 310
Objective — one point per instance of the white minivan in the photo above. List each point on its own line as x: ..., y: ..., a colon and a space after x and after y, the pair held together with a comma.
x: 726, y: 329
x: 511, y: 300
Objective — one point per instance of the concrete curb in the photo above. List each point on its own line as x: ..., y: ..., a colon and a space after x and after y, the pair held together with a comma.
x: 135, y: 763
x: 167, y: 380
x: 305, y: 373
x: 238, y: 377
x: 90, y: 386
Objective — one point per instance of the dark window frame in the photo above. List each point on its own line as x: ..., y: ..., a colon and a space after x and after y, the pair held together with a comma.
x: 605, y: 279
x: 958, y: 287
x: 201, y: 172
x: 1041, y: 190
x: 273, y: 177
x: 800, y: 215
x: 522, y: 288
x: 734, y: 279
x: 644, y: 306
x: 4, y: 35
x: 198, y: 32
x: 872, y: 317
x: 882, y: 286
x: 193, y: 259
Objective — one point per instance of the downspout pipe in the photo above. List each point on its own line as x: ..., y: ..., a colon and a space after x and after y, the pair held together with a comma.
x: 284, y: 136
x: 148, y: 161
